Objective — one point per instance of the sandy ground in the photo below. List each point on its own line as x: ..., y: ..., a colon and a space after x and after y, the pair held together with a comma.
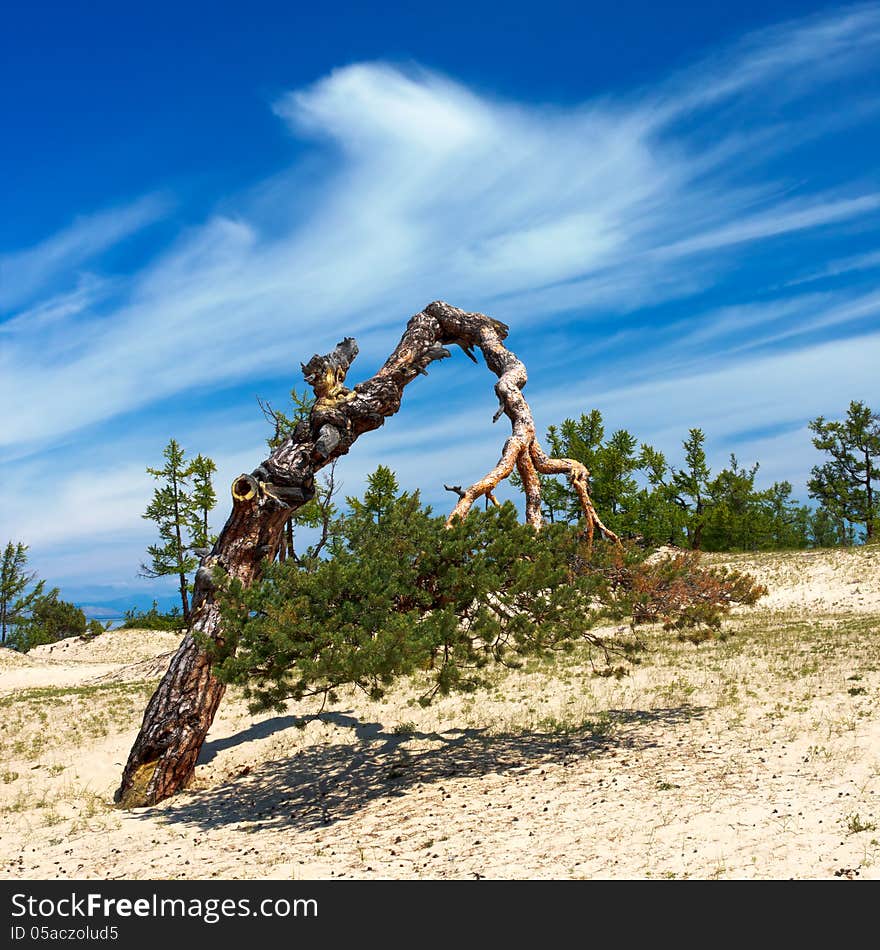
x: 807, y: 581
x: 752, y: 756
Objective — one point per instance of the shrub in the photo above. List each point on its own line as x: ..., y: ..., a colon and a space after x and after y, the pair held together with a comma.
x: 153, y: 619
x: 94, y: 628
x: 50, y: 619
x: 681, y: 594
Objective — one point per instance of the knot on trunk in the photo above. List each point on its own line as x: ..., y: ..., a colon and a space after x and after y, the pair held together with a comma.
x: 326, y: 374
x: 245, y: 488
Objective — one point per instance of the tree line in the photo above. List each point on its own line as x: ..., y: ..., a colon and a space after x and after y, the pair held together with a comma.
x: 643, y: 496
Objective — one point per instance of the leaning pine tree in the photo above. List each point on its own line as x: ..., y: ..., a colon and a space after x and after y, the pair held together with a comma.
x: 182, y: 709
x: 403, y: 594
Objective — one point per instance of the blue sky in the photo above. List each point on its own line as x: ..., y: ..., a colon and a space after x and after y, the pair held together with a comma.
x: 675, y: 207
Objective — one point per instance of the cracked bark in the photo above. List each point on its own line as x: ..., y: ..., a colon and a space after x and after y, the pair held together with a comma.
x: 180, y: 712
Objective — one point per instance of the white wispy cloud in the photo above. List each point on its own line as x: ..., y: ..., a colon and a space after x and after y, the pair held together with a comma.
x: 792, y: 216
x: 88, y: 292
x: 846, y: 265
x: 786, y: 60
x: 26, y: 272
x: 98, y: 504
x: 776, y: 389
x: 434, y: 191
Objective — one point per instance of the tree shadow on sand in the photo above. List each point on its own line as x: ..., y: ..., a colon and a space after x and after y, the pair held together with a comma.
x: 326, y: 783
x: 364, y: 731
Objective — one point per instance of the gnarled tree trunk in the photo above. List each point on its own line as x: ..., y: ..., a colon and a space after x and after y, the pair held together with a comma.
x: 180, y: 713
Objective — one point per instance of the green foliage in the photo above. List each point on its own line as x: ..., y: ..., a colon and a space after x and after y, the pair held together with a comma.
x: 285, y: 421
x: 737, y: 516
x: 660, y: 517
x: 680, y: 593
x: 828, y: 529
x: 690, y: 487
x: 95, y: 628
x: 401, y: 594
x: 784, y: 522
x: 847, y: 485
x: 50, y: 619
x: 180, y: 507
x: 203, y: 500
x: 612, y: 464
x: 16, y: 601
x: 153, y: 619
x: 320, y: 513
x: 730, y: 508
x: 379, y: 501
x: 171, y: 508
x: 642, y: 496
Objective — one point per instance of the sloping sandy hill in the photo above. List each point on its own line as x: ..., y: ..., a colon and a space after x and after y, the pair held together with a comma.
x: 10, y: 660
x: 114, y: 646
x: 753, y: 756
x: 116, y: 654
x: 830, y: 580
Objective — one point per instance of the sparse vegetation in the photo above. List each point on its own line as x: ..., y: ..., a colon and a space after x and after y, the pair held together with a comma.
x: 855, y: 824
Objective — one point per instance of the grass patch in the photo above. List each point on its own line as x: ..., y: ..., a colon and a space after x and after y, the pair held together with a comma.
x: 855, y: 824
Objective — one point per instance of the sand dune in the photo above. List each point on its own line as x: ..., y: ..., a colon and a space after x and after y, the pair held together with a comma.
x: 752, y: 756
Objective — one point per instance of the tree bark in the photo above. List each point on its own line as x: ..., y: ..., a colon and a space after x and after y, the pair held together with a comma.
x: 180, y: 713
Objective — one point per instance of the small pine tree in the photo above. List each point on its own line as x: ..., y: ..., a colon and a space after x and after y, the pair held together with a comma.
x: 785, y: 522
x: 612, y: 463
x: 660, y: 519
x: 732, y: 519
x: 16, y: 600
x: 180, y: 508
x: 691, y: 484
x: 827, y: 529
x: 50, y: 619
x: 848, y: 484
x: 379, y: 498
x: 203, y: 501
